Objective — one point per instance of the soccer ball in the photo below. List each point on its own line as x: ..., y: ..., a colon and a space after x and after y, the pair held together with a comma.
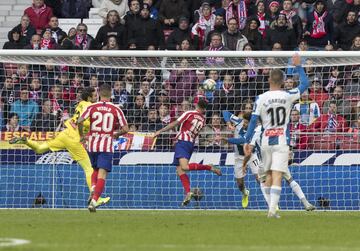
x: 209, y: 85
x: 198, y: 194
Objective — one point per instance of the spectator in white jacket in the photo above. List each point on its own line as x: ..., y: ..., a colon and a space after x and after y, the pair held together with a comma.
x: 121, y: 6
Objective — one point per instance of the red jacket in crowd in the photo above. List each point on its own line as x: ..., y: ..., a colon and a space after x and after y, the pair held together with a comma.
x: 322, y: 124
x: 298, y: 137
x: 39, y: 17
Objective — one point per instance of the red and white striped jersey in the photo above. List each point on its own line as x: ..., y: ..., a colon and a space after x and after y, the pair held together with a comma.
x: 105, y: 118
x: 191, y: 124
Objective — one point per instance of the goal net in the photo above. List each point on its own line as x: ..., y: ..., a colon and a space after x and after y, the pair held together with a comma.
x: 40, y: 90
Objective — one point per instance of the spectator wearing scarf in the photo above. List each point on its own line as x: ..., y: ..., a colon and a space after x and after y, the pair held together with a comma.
x: 331, y: 121
x: 81, y: 40
x: 319, y: 28
x: 293, y: 18
x: 204, y: 25
x: 237, y: 9
x: 39, y: 15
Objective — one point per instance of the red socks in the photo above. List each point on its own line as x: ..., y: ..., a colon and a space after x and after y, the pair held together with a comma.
x: 185, y: 182
x: 94, y: 177
x: 197, y: 167
x: 100, y: 184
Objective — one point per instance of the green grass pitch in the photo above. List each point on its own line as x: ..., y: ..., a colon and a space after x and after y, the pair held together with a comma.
x: 179, y: 230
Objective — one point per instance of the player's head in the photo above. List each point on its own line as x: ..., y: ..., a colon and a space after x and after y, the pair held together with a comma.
x: 201, y: 105
x: 246, y: 119
x: 105, y: 91
x: 89, y: 94
x: 276, y: 78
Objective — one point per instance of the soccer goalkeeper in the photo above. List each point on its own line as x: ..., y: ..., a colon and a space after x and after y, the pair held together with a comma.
x: 69, y: 139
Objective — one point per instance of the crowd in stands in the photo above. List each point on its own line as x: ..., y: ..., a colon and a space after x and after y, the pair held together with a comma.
x: 38, y: 98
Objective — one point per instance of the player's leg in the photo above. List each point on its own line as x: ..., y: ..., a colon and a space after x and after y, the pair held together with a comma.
x: 240, y: 181
x: 200, y: 167
x: 266, y: 159
x: 104, y: 166
x: 296, y: 188
x: 39, y: 148
x: 184, y: 178
x: 279, y: 166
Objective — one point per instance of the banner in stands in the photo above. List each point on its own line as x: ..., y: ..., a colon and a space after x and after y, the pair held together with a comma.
x: 130, y: 141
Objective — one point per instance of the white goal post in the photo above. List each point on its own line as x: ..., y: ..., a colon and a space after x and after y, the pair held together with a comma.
x: 154, y: 88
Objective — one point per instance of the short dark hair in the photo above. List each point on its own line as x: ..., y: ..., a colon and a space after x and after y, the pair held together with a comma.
x: 277, y: 76
x: 202, y: 104
x: 105, y: 90
x: 86, y: 93
x: 247, y: 116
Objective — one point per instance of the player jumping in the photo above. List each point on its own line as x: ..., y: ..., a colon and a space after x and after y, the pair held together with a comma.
x: 104, y: 118
x: 273, y: 108
x: 191, y: 123
x: 69, y: 139
x: 295, y: 187
x: 241, y: 125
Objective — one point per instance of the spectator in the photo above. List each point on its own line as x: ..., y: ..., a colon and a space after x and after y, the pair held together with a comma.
x: 203, y: 26
x: 49, y: 75
x: 56, y: 32
x: 130, y: 80
x: 227, y: 97
x: 112, y: 27
x: 343, y: 106
x: 25, y: 108
x: 185, y: 45
x: 47, y: 41
x: 45, y: 121
x: 153, y: 122
x: 132, y: 17
x: 211, y: 136
x: 341, y: 9
x: 274, y: 8
x: 23, y: 74
x: 354, y: 131
x: 154, y: 13
x: 147, y: 32
x: 219, y: 27
x: 181, y: 83
x: 352, y: 89
x: 8, y: 96
x: 151, y: 78
x: 137, y: 112
x: 317, y: 93
x: 356, y: 44
x: 34, y: 43
x: 120, y: 6
x: 293, y: 19
x: 72, y: 32
x: 170, y: 12
x: 281, y: 31
x: 15, y: 40
x: 39, y: 15
x: 58, y: 104
x: 25, y: 28
x: 111, y: 44
x: 215, y: 45
x: 232, y: 38
x: 298, y: 137
x: 120, y: 96
x: 347, y: 31
x: 148, y: 93
x: 330, y: 120
x: 246, y: 88
x: 35, y: 92
x: 178, y: 109
x: 82, y: 40
x: 237, y: 9
x: 164, y: 114
x: 319, y: 27
x: 308, y: 109
x: 261, y: 18
x: 179, y: 34
x: 333, y: 76
x: 252, y: 33
x: 12, y: 124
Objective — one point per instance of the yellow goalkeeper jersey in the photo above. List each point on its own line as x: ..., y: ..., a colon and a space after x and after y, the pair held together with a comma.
x: 71, y: 123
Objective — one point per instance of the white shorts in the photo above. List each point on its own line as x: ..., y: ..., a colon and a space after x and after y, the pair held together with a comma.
x: 254, y: 164
x: 275, y: 158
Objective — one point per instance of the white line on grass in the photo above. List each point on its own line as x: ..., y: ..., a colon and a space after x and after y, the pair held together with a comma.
x: 10, y: 242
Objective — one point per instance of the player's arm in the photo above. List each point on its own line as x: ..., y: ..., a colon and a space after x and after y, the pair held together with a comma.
x: 122, y: 131
x: 248, y: 149
x: 167, y: 128
x: 80, y: 122
x: 231, y: 119
x: 304, y: 81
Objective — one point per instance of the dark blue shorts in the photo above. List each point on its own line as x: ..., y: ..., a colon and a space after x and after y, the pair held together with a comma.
x: 183, y: 149
x: 101, y: 160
